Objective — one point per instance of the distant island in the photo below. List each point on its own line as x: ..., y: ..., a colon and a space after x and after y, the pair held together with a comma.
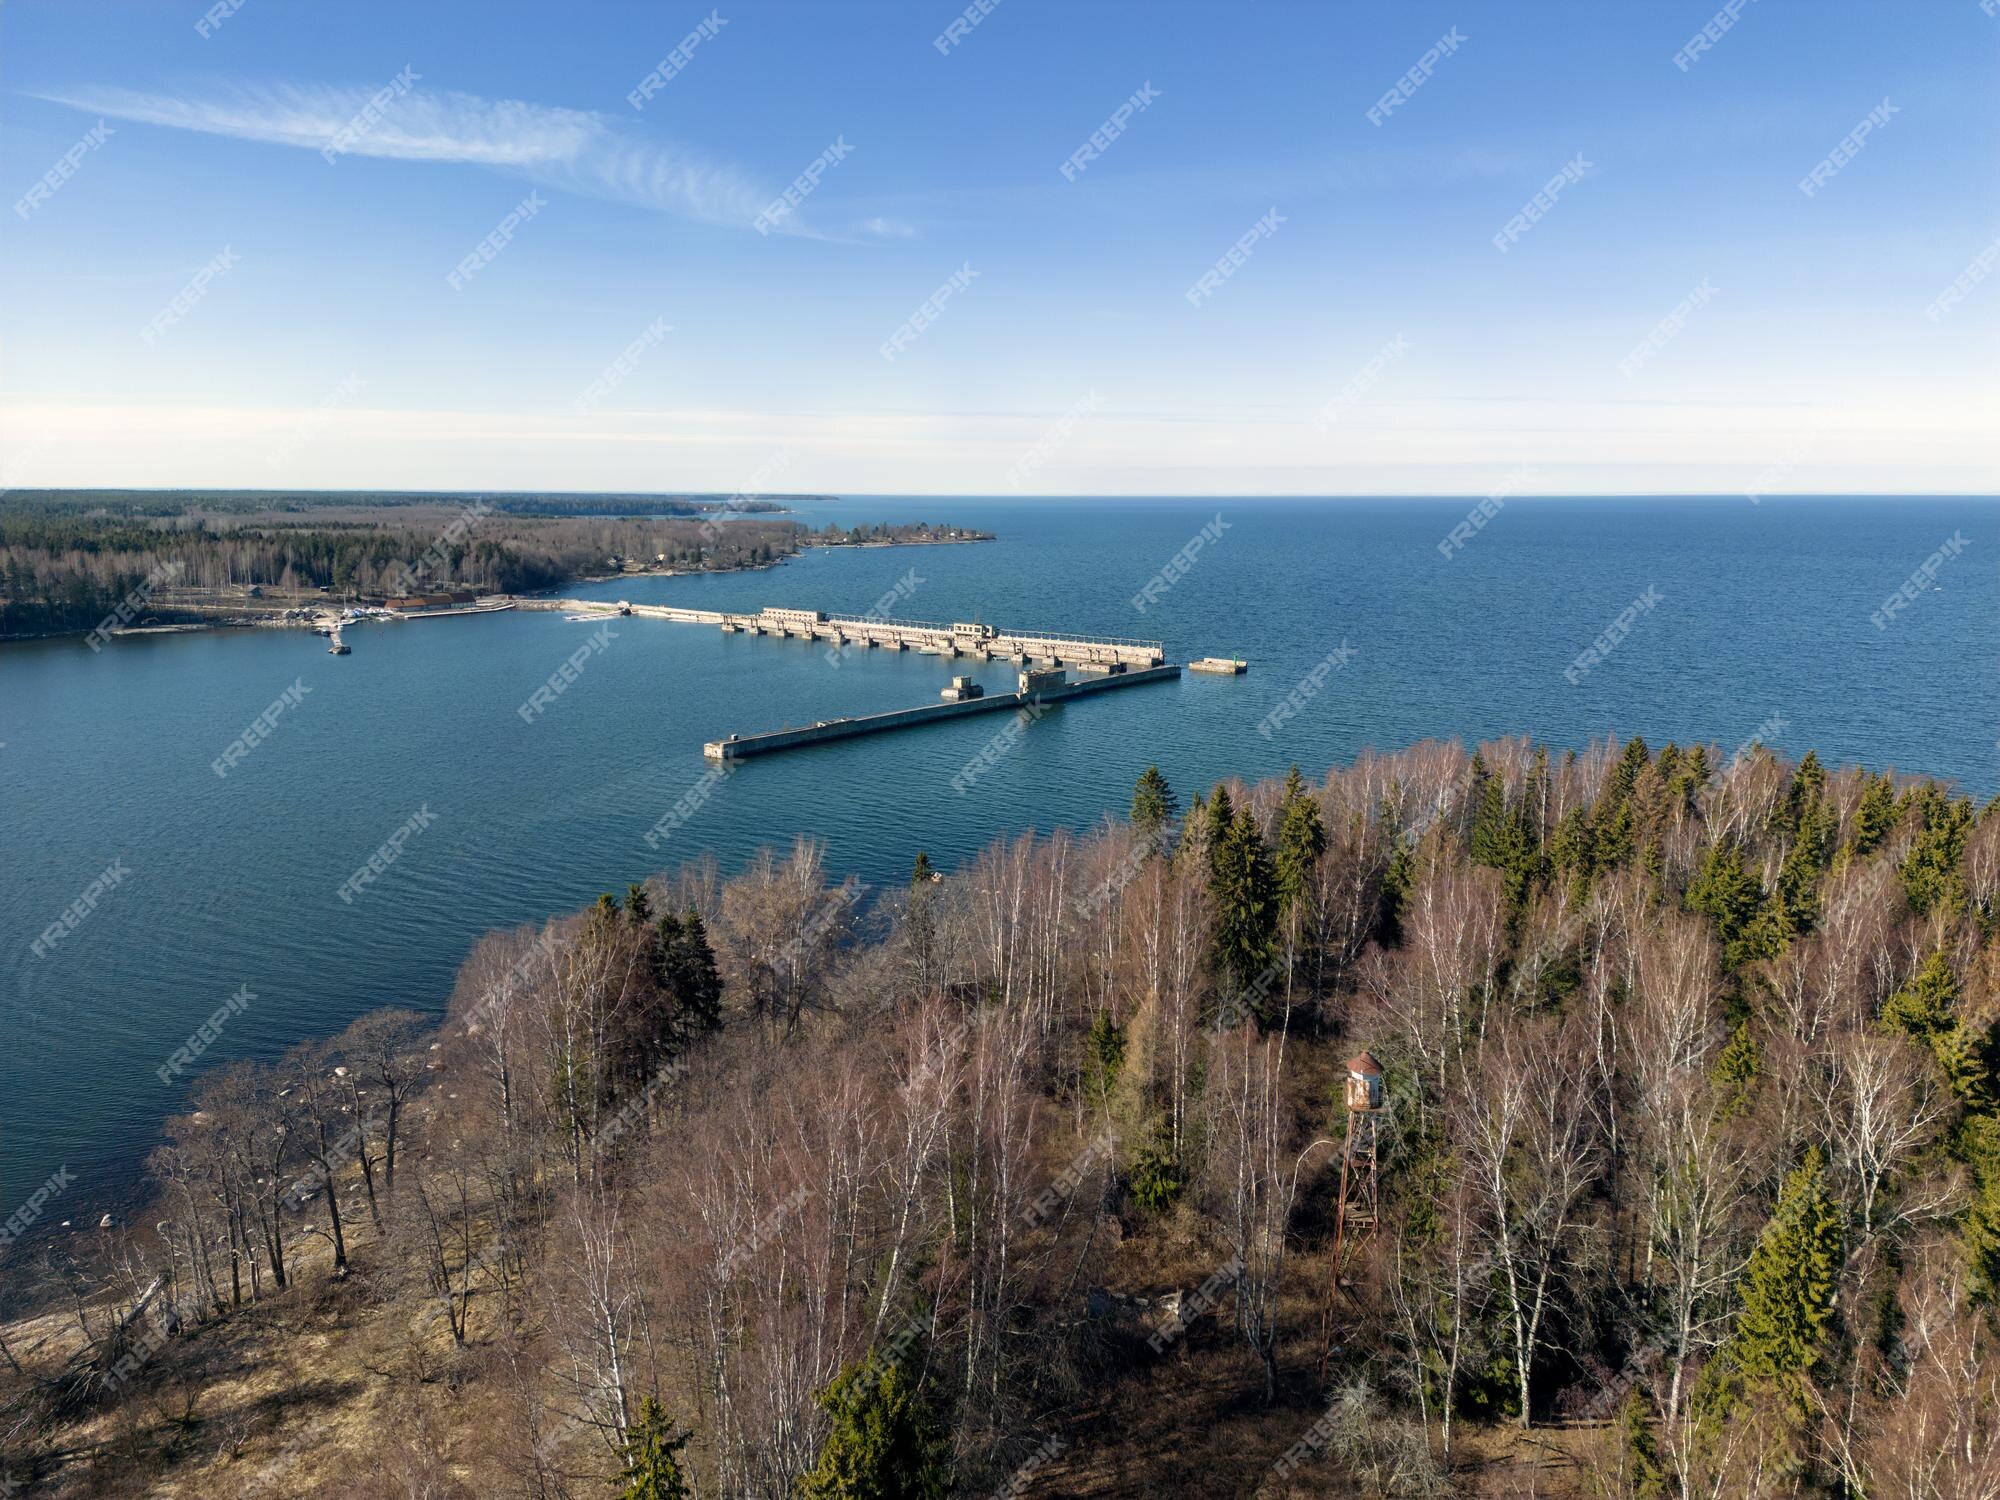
x: 81, y: 560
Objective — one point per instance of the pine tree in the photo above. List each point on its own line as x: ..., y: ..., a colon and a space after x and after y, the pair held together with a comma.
x: 1153, y: 807
x: 883, y: 1445
x: 652, y: 1457
x: 921, y: 873
x: 1789, y: 1285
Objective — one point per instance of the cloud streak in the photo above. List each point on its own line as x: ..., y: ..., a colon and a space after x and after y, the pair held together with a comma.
x: 572, y: 150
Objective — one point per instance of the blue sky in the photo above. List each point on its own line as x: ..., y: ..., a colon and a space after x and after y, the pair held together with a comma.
x: 333, y: 351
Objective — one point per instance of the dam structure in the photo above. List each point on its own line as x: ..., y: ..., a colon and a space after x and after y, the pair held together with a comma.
x: 866, y: 632
x: 1103, y: 662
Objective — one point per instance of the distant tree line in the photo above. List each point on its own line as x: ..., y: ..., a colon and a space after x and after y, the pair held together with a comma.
x: 61, y: 571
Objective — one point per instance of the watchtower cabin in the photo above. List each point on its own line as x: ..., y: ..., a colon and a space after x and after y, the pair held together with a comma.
x: 1359, y: 1206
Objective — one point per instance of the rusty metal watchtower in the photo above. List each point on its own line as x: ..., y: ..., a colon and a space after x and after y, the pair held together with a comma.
x: 1360, y: 1202
x: 1360, y: 1205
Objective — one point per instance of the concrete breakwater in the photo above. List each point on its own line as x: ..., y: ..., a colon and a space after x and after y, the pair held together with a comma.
x: 737, y: 747
x: 969, y: 639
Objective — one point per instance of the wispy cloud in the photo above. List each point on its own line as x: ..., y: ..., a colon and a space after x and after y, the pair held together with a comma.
x: 572, y: 150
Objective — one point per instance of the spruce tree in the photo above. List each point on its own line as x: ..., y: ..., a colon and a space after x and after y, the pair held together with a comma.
x: 1195, y: 836
x: 1930, y: 873
x: 1876, y: 814
x: 1221, y: 818
x: 1789, y: 1285
x: 1301, y: 842
x: 883, y: 1445
x: 704, y: 978
x: 1153, y: 807
x: 1725, y: 891
x: 921, y: 873
x: 1244, y: 885
x: 652, y: 1457
x: 638, y: 907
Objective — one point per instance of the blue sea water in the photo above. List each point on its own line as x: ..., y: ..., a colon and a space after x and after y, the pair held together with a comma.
x: 1763, y: 615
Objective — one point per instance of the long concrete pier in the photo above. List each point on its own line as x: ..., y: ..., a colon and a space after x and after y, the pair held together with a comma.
x: 977, y: 641
x: 1032, y: 699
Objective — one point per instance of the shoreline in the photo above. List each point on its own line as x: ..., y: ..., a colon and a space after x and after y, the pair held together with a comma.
x: 269, y: 620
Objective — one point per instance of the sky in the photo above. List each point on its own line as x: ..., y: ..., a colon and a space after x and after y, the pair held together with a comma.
x: 1369, y: 247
